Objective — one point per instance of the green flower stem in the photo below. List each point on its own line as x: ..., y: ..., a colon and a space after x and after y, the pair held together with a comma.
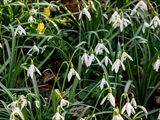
x: 76, y: 81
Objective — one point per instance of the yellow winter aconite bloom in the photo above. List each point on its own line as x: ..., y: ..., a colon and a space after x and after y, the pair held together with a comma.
x: 40, y: 27
x: 47, y: 11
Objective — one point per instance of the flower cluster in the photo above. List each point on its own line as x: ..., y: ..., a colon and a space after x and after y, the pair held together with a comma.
x: 117, y: 21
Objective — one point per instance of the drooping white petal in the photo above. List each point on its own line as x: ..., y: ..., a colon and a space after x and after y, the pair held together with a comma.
x: 133, y: 102
x: 85, y: 11
x: 111, y: 99
x: 146, y: 25
x: 70, y: 74
x: 156, y: 65
x: 85, y: 59
x: 103, y: 82
x: 103, y: 100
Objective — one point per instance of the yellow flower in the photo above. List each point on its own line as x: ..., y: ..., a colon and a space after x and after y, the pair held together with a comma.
x: 47, y: 11
x: 40, y: 27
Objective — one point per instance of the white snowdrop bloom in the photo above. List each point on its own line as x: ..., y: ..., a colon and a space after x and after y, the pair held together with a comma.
x: 16, y: 111
x: 31, y: 20
x: 115, y: 16
x: 124, y: 56
x: 6, y: 1
x: 82, y: 119
x: 57, y: 116
x: 133, y: 102
x: 32, y: 69
x: 99, y: 49
x: 155, y: 22
x: 126, y: 22
x: 86, y: 12
x: 118, y: 23
x: 34, y: 48
x: 109, y: 97
x: 71, y: 73
x: 145, y: 25
x: 106, y: 60
x: 33, y: 12
x: 23, y: 101
x: 117, y: 64
x: 20, y: 30
x: 117, y: 117
x: 141, y: 5
x: 103, y: 82
x: 13, y: 105
x: 1, y: 45
x: 156, y: 65
x: 92, y: 58
x: 85, y: 59
x: 128, y: 108
x: 37, y: 103
x: 64, y: 103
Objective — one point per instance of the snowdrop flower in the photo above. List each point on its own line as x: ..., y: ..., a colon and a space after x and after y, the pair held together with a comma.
x: 146, y: 25
x: 100, y: 47
x: 106, y: 60
x: 1, y: 45
x: 133, y: 102
x: 16, y: 111
x: 31, y: 20
x: 117, y: 64
x: 128, y: 108
x: 57, y: 116
x: 84, y: 11
x: 33, y: 12
x: 118, y: 23
x: 92, y: 58
x: 82, y: 119
x: 34, y: 48
x: 32, y: 69
x: 141, y: 5
x: 64, y: 103
x: 124, y: 56
x: 109, y: 97
x: 85, y: 58
x: 6, y: 1
x: 47, y: 11
x: 155, y: 22
x: 13, y: 105
x: 157, y: 64
x: 116, y: 115
x: 126, y: 22
x: 103, y: 82
x: 23, y: 101
x: 71, y: 73
x: 115, y: 16
x: 37, y: 103
x: 20, y: 30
